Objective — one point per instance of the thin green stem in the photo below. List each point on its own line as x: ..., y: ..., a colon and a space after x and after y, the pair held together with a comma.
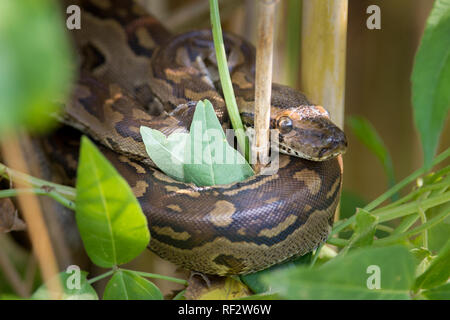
x: 399, y: 236
x: 337, y: 242
x: 406, y: 181
x: 384, y: 228
x: 345, y: 223
x: 41, y: 192
x: 421, y: 190
x: 412, y: 207
x: 423, y: 219
x: 316, y: 255
x: 158, y: 276
x: 13, y: 175
x: 406, y: 223
x: 292, y: 51
x: 225, y: 79
x: 100, y: 277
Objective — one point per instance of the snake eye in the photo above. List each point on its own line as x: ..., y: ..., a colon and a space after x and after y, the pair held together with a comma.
x: 285, y: 124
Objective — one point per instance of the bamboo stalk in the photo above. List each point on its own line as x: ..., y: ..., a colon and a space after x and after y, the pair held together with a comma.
x: 324, y: 36
x: 32, y: 214
x: 323, y: 50
x: 263, y: 81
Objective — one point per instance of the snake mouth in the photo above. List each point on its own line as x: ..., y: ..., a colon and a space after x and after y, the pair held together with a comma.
x: 321, y: 156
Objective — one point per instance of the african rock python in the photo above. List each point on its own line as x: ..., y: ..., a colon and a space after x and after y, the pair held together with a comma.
x: 131, y: 71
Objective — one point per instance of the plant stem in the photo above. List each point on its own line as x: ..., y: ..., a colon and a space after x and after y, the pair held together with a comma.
x: 41, y: 192
x: 406, y: 223
x: 263, y: 82
x: 375, y: 203
x: 225, y: 79
x: 33, y: 216
x: 16, y: 176
x: 337, y: 242
x: 396, y: 237
x: 292, y: 51
x: 423, y: 219
x: 406, y: 181
x: 100, y: 277
x: 385, y: 228
x: 412, y: 207
x: 316, y: 255
x: 158, y: 276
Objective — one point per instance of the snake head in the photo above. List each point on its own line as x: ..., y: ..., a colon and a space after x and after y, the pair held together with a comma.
x: 308, y: 132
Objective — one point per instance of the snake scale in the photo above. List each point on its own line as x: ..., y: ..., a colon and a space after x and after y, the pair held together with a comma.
x: 133, y: 72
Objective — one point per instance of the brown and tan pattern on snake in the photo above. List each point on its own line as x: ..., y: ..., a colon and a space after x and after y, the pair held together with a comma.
x: 133, y: 74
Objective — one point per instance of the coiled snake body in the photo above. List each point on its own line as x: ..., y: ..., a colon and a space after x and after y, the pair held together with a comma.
x: 134, y: 73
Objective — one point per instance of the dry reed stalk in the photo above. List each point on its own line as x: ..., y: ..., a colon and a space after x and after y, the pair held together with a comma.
x: 263, y: 81
x: 32, y: 214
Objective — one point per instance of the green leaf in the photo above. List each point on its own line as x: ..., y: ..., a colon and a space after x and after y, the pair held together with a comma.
x: 110, y: 220
x: 69, y: 283
x: 431, y: 79
x: 255, y: 280
x: 367, y: 134
x: 126, y: 285
x: 438, y: 293
x: 180, y: 295
x: 209, y: 159
x: 423, y: 258
x: 365, y: 227
x: 438, y: 235
x: 438, y: 272
x: 35, y: 63
x: 160, y: 149
x: 349, y: 276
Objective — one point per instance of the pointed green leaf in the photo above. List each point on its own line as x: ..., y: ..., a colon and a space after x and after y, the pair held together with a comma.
x: 431, y: 79
x: 438, y: 272
x: 367, y: 134
x: 423, y: 258
x: 126, y: 285
x: 438, y: 293
x: 73, y: 289
x: 166, y: 153
x: 209, y: 159
x: 365, y: 228
x: 351, y: 276
x: 110, y: 220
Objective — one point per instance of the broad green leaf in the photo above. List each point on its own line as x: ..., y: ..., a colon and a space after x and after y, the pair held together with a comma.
x: 110, y: 220
x: 126, y: 285
x: 350, y: 276
x: 74, y: 288
x: 166, y: 153
x: 438, y: 272
x: 438, y: 293
x: 35, y: 63
x: 367, y: 134
x: 431, y: 79
x: 209, y: 159
x: 365, y: 227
